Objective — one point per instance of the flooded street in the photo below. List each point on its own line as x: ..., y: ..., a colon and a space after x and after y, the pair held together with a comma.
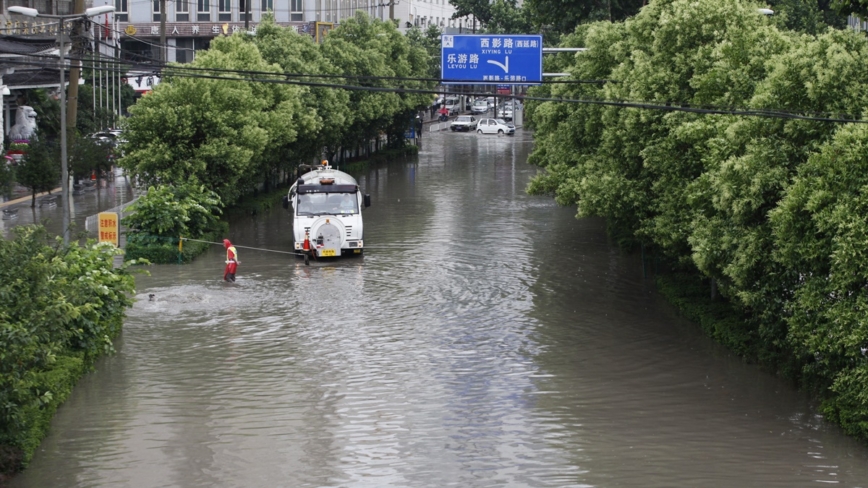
x: 100, y: 196
x: 487, y: 338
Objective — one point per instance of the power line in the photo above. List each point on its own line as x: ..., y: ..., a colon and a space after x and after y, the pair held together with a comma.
x: 284, y: 78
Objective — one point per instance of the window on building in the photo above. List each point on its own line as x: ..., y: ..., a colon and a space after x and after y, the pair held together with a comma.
x: 184, y: 50
x: 121, y: 7
x: 156, y: 8
x: 267, y: 6
x: 203, y: 7
x: 243, y: 8
x: 64, y: 7
x: 296, y: 12
x: 224, y: 10
x: 182, y: 10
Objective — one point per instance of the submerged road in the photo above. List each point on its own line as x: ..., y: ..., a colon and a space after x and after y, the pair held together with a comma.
x: 486, y: 338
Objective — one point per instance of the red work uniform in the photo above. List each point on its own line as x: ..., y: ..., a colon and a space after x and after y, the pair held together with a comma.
x: 231, y: 261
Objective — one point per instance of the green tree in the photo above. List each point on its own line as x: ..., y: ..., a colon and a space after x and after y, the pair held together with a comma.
x: 39, y: 169
x: 223, y: 133
x: 556, y: 18
x: 369, y: 52
x: 328, y: 107
x: 769, y: 208
x: 430, y: 42
x: 480, y: 9
x: 854, y: 7
x: 809, y: 16
x: 821, y: 233
x: 92, y: 118
x: 508, y: 18
x: 87, y: 155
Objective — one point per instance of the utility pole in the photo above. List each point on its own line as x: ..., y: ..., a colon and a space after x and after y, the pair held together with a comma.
x: 75, y: 68
x: 246, y: 15
x: 163, y: 54
x: 391, y: 9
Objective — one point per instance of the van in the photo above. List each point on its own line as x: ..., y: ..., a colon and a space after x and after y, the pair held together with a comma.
x: 453, y: 104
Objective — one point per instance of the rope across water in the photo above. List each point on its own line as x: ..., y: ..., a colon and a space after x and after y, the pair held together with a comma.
x: 242, y: 247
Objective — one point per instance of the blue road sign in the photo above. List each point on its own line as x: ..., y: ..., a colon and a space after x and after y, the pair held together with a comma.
x: 514, y: 59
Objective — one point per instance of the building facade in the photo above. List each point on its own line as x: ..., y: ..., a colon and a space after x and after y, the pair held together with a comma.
x: 191, y: 24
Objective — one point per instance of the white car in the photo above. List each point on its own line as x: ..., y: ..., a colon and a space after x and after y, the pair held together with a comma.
x: 494, y: 126
x: 505, y: 111
x: 463, y: 123
x: 479, y: 107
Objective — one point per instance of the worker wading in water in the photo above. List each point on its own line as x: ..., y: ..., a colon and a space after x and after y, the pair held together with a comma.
x: 231, y: 261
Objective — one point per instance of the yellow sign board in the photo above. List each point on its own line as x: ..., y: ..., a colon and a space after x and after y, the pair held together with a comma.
x: 321, y: 30
x: 108, y: 227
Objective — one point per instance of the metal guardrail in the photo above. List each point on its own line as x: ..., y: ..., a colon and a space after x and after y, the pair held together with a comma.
x: 438, y: 126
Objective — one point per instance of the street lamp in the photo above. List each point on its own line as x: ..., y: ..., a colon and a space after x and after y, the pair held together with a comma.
x: 64, y: 166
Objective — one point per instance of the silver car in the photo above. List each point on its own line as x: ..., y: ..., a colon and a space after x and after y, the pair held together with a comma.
x: 495, y: 126
x: 479, y: 107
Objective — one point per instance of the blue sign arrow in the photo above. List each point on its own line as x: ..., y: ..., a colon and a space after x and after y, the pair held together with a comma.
x: 514, y: 59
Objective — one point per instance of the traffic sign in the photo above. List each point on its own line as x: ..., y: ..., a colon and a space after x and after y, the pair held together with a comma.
x: 514, y: 59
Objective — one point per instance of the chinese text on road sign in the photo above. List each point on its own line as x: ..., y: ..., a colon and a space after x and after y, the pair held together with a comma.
x: 514, y: 59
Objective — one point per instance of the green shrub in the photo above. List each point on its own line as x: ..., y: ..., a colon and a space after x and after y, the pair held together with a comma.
x: 60, y: 307
x: 718, y: 318
x: 164, y: 250
x: 59, y: 380
x: 170, y: 211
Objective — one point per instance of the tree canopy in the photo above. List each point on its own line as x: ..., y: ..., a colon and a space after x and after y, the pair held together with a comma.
x: 767, y: 207
x: 231, y: 135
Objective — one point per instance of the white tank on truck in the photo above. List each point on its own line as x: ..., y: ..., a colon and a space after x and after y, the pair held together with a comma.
x: 327, y: 208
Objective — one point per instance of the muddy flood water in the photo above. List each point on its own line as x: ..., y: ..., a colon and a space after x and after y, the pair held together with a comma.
x: 487, y: 338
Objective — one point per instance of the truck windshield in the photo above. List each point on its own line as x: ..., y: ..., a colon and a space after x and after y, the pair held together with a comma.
x: 327, y: 204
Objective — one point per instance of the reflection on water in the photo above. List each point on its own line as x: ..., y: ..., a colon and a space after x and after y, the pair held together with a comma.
x: 486, y: 338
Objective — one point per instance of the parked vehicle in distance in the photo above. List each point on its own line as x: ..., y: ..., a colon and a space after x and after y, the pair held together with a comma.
x: 452, y: 104
x: 463, y: 123
x: 495, y: 126
x: 505, y: 111
x: 480, y: 106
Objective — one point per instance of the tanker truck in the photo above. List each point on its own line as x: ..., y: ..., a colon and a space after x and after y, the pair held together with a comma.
x: 326, y: 206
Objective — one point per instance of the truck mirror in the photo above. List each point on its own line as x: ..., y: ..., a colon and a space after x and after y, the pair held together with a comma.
x: 367, y: 200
